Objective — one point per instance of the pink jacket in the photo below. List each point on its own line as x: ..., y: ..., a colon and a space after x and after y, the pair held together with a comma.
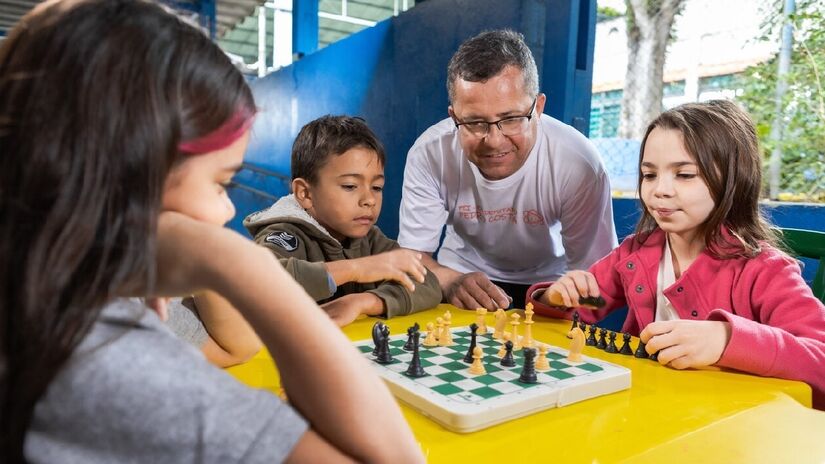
x: 777, y: 325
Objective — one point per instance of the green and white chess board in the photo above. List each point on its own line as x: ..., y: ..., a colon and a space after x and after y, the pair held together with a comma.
x: 463, y: 402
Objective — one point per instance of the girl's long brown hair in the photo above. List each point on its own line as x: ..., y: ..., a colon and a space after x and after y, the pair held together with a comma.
x: 95, y: 96
x: 721, y: 139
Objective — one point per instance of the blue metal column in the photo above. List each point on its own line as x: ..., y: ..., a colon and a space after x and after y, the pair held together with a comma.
x: 304, y: 27
x: 567, y: 65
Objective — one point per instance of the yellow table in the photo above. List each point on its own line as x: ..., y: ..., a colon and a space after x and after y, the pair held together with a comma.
x: 667, y: 416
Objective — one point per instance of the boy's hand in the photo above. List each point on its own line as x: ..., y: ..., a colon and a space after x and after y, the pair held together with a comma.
x: 396, y: 265
x: 569, y: 288
x: 346, y: 309
x: 683, y: 344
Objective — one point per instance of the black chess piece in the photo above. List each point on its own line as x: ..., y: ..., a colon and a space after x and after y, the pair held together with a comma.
x: 640, y: 351
x: 575, y: 324
x: 583, y: 327
x: 654, y: 357
x: 384, y: 356
x: 468, y: 358
x: 408, y: 346
x: 528, y: 372
x: 591, y: 338
x: 611, y: 347
x: 508, y: 360
x: 625, y: 349
x: 376, y: 336
x: 594, y: 301
x: 602, y: 343
x: 414, y: 369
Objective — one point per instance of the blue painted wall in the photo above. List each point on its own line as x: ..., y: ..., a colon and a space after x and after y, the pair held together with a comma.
x: 394, y: 76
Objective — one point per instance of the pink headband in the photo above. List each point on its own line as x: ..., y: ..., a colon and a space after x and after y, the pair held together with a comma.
x: 222, y: 137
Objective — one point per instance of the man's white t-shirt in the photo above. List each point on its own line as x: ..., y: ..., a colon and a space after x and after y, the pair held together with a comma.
x: 553, y: 214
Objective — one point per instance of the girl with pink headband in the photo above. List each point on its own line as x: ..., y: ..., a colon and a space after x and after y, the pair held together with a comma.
x: 102, y: 102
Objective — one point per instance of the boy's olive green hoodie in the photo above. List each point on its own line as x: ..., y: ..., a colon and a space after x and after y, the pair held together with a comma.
x: 303, y: 245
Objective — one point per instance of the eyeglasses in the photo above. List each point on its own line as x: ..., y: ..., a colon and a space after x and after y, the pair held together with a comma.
x: 513, y: 125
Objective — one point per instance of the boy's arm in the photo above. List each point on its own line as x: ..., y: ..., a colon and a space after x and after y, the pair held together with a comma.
x: 291, y: 251
x: 231, y: 339
x: 395, y: 264
x: 400, y: 301
x: 397, y: 299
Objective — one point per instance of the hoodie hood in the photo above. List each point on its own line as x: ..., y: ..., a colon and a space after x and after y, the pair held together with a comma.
x: 286, y: 209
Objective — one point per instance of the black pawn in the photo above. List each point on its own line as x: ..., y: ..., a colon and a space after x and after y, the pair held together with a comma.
x: 575, y: 324
x: 508, y: 360
x: 602, y: 343
x: 408, y: 346
x: 625, y: 349
x: 528, y: 372
x: 583, y: 327
x: 468, y: 358
x: 654, y: 357
x: 591, y: 338
x: 415, y: 370
x: 611, y: 347
x: 640, y: 351
x: 384, y: 355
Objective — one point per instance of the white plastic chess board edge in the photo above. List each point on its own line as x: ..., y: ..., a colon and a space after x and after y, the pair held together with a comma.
x: 470, y: 418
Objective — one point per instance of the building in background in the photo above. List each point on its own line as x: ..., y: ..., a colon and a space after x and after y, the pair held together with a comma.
x: 711, y: 43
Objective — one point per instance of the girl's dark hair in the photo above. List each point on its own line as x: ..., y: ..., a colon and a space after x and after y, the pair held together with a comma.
x: 95, y: 96
x: 721, y: 139
x: 326, y: 136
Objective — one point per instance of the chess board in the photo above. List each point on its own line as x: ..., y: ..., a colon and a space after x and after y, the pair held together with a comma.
x: 463, y: 402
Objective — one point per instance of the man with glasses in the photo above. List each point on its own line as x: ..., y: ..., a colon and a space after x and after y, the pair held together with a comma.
x: 523, y: 196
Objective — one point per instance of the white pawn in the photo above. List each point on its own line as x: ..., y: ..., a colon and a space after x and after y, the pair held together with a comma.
x: 431, y: 339
x: 477, y: 368
x: 481, y: 314
x: 446, y: 338
x: 542, y: 364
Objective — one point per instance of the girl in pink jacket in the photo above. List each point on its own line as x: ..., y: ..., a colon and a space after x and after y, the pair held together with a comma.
x: 702, y: 278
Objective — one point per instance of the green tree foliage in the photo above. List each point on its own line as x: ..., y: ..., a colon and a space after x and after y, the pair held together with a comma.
x: 803, y: 142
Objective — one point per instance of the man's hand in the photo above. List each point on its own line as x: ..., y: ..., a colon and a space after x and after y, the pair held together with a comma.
x: 569, y: 288
x: 475, y: 290
x: 399, y: 265
x: 346, y: 309
x: 684, y: 344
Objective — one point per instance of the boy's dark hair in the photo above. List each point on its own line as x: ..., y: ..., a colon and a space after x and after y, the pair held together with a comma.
x: 327, y: 136
x: 95, y: 98
x: 484, y: 56
x: 721, y: 139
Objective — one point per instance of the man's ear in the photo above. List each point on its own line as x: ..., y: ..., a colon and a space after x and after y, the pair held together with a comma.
x: 541, y: 100
x: 303, y: 192
x: 451, y: 112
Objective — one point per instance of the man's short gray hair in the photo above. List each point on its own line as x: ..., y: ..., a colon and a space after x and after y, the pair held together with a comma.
x: 484, y: 56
